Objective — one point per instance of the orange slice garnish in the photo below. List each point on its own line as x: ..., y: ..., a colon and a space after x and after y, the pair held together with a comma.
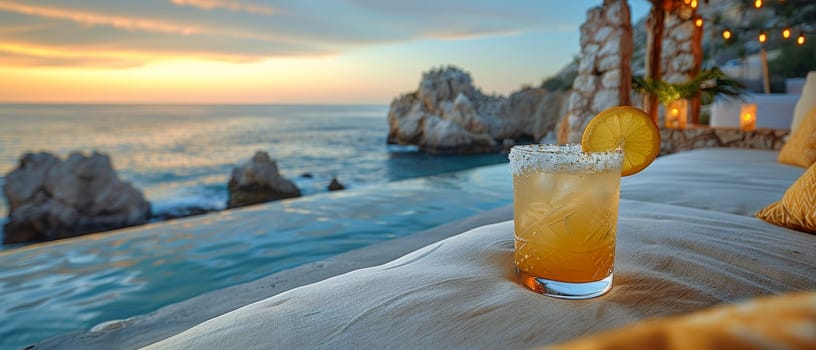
x: 626, y: 128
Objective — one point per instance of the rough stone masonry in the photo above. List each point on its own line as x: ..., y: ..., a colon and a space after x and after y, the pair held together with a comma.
x: 604, y: 73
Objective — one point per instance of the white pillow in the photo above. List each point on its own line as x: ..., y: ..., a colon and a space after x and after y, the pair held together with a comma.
x: 807, y: 100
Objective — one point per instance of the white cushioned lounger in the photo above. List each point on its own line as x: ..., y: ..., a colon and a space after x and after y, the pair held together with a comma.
x: 686, y: 241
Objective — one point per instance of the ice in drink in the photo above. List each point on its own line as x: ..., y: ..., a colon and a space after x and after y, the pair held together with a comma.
x: 565, y: 210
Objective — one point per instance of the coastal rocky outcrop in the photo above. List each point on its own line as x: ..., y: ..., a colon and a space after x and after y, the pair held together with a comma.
x: 50, y: 198
x: 258, y: 181
x: 447, y: 114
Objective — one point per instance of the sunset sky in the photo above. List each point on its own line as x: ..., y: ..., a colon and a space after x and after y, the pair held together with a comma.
x: 254, y: 51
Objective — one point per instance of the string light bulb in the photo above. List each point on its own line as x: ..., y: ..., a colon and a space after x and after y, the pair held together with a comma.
x: 726, y: 34
x: 762, y: 37
x: 786, y: 33
x: 694, y: 4
x: 698, y: 22
x: 801, y: 39
x: 758, y: 3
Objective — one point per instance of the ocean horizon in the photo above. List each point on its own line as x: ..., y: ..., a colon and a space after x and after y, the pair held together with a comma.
x: 181, y: 155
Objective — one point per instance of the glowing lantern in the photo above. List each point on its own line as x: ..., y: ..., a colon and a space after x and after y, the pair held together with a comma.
x: 762, y: 37
x: 694, y: 4
x: 748, y: 117
x: 726, y: 34
x: 801, y: 39
x: 698, y: 22
x: 758, y: 3
x: 676, y: 114
x: 786, y: 33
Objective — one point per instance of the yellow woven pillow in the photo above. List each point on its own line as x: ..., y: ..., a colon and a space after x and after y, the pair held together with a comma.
x: 800, y: 150
x: 797, y: 208
x: 780, y: 322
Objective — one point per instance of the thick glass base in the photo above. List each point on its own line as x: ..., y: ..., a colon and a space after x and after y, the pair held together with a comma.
x: 565, y: 290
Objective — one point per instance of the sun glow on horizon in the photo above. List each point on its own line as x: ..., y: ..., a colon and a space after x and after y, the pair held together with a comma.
x: 185, y: 80
x: 204, y: 51
x: 372, y: 75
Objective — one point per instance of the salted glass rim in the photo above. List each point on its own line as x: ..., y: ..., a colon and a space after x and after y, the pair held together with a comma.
x: 569, y: 158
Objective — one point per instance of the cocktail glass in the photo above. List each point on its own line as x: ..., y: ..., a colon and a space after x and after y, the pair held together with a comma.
x: 566, y: 212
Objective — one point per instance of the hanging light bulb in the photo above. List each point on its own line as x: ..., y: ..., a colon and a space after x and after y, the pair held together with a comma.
x: 726, y: 34
x: 694, y: 4
x: 801, y: 39
x: 786, y: 33
x: 758, y: 3
x: 698, y: 22
x: 762, y: 37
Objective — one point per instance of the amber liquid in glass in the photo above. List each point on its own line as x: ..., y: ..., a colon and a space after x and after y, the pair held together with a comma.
x: 565, y: 224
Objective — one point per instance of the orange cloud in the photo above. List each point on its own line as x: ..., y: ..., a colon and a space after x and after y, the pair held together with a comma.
x: 99, y: 19
x: 452, y: 34
x: 229, y: 5
x: 130, y: 23
x: 22, y: 28
x: 21, y: 54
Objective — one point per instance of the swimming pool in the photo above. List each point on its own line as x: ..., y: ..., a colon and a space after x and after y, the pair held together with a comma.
x: 74, y: 284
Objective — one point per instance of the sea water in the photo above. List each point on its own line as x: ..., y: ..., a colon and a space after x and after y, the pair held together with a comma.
x: 181, y: 156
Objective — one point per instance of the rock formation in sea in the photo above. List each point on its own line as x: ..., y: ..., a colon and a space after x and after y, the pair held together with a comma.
x: 447, y: 114
x: 50, y: 198
x: 258, y: 181
x: 335, y: 185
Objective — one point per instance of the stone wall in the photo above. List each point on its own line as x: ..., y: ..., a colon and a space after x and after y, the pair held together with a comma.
x: 676, y: 140
x: 681, y: 55
x: 604, y: 72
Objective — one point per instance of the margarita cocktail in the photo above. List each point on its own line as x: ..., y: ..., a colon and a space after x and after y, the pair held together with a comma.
x: 566, y: 213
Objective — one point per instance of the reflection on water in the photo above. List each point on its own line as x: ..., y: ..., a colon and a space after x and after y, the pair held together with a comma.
x: 74, y: 284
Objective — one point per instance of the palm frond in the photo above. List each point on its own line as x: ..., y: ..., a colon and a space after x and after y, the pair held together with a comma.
x: 707, y: 84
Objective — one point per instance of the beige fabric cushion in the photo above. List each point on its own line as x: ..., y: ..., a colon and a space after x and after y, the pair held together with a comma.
x: 807, y: 101
x: 737, y: 181
x: 461, y: 292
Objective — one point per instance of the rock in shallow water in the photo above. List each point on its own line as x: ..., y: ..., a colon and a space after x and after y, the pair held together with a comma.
x: 259, y: 181
x: 52, y: 199
x: 335, y: 185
